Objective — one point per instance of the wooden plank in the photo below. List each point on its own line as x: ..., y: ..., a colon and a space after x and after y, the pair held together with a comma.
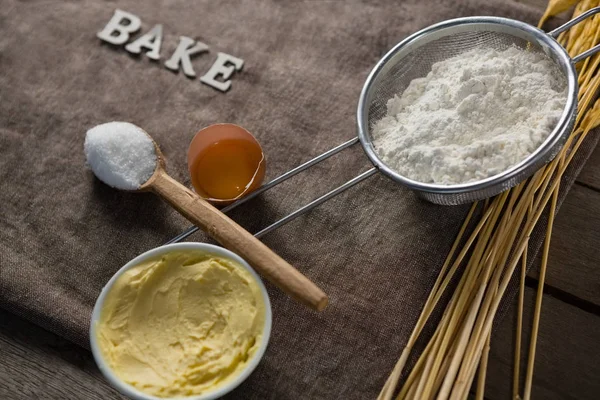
x: 590, y: 174
x: 36, y: 364
x: 574, y: 261
x: 567, y: 353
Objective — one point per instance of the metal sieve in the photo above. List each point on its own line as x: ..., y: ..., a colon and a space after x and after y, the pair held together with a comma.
x: 413, y: 58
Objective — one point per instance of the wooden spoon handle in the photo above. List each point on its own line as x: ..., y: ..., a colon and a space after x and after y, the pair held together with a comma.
x: 237, y: 239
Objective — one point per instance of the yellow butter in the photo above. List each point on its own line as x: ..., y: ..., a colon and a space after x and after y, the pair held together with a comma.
x: 183, y: 324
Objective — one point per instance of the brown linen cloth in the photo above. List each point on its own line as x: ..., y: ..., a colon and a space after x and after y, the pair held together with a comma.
x: 375, y: 249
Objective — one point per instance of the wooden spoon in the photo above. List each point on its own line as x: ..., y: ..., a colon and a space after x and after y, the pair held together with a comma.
x: 232, y: 236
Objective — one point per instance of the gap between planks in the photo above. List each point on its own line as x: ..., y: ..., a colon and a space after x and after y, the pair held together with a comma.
x: 572, y: 266
x: 565, y: 297
x: 566, y: 359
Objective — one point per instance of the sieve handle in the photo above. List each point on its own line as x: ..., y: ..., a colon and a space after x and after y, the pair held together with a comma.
x: 572, y: 23
x: 274, y: 182
x: 316, y: 202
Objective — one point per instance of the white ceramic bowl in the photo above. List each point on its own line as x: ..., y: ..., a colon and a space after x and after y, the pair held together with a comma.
x: 136, y: 394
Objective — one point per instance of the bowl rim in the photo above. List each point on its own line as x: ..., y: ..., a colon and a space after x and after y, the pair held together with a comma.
x: 133, y: 392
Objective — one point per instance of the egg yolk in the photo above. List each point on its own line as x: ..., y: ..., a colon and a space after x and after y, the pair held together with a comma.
x: 225, y: 169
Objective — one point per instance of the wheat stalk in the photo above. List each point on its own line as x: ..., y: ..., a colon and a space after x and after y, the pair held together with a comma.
x: 460, y: 344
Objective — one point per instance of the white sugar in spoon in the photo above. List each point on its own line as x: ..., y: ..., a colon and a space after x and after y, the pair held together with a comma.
x: 124, y: 156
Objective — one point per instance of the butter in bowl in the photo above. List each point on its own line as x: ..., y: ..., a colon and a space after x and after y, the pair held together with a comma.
x: 186, y: 320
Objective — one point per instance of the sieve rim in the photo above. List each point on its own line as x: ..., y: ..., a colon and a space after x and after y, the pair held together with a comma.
x: 541, y: 155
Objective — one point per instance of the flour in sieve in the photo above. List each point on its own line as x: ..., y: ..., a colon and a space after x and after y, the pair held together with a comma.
x: 473, y: 116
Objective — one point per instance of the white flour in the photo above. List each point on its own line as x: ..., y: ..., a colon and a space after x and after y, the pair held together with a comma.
x: 473, y: 116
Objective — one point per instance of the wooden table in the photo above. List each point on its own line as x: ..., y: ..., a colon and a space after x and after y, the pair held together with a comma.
x: 36, y: 364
